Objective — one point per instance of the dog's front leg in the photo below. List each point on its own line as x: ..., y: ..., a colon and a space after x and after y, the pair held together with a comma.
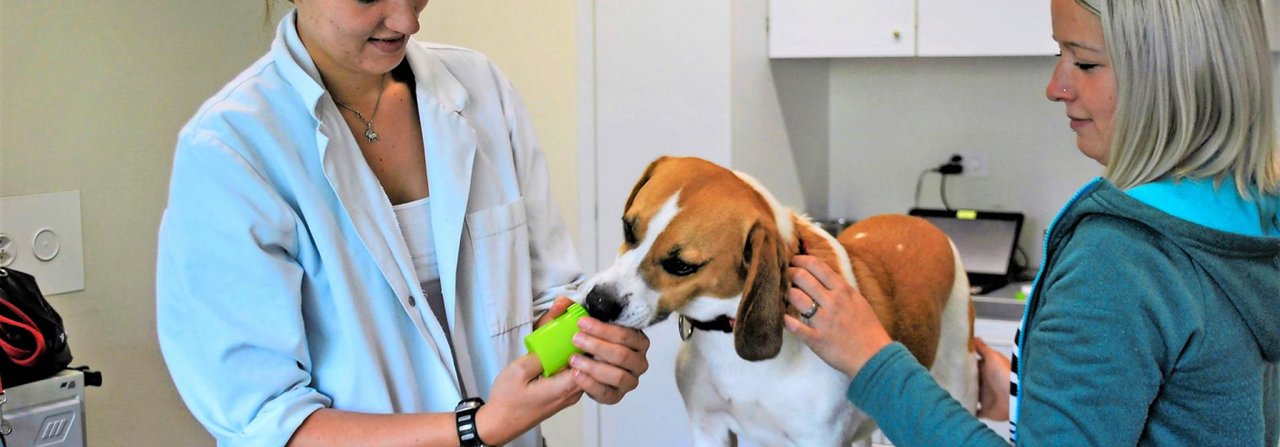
x: 710, y: 429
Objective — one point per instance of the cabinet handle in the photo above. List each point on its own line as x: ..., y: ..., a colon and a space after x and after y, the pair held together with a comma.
x: 897, y: 35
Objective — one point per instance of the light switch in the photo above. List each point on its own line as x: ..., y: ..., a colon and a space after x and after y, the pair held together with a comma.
x: 42, y: 237
x: 46, y: 245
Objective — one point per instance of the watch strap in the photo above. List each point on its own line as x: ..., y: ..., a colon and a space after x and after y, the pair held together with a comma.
x: 465, y: 416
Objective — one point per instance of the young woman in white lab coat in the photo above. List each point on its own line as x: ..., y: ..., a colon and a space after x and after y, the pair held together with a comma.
x: 358, y: 236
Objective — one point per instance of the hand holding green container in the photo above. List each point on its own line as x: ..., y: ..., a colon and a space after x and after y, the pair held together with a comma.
x: 553, y: 342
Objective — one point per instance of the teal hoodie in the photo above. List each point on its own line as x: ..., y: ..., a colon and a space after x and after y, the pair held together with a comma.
x: 1155, y: 320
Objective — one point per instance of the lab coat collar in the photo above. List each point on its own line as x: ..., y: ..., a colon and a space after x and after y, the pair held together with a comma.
x: 432, y: 74
x: 451, y: 145
x: 296, y: 65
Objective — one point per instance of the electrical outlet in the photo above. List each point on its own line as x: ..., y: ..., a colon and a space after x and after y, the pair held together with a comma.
x: 975, y: 164
x: 6, y: 250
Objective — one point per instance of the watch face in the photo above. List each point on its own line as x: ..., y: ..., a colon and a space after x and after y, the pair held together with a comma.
x: 469, y: 404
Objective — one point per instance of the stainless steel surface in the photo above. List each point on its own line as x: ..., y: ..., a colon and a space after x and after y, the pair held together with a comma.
x: 1002, y: 303
x: 998, y: 308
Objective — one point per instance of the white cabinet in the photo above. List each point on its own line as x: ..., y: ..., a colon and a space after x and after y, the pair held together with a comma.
x: 841, y: 28
x: 879, y: 28
x: 984, y: 28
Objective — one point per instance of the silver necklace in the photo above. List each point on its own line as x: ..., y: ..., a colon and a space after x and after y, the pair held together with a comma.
x: 368, y: 123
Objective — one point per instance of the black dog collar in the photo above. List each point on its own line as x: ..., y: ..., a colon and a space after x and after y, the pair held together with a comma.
x: 721, y: 324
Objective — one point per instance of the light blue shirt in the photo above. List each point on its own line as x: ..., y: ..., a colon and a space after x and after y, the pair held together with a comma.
x: 1201, y: 202
x: 283, y: 283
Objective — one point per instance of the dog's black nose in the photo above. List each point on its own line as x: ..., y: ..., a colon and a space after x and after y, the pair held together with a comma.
x: 603, y: 305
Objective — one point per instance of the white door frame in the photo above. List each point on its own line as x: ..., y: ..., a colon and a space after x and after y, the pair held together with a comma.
x: 587, y: 204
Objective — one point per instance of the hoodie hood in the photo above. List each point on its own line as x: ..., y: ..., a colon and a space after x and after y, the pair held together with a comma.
x: 1246, y: 268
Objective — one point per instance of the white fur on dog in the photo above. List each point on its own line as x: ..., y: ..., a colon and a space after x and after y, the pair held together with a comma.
x: 955, y: 367
x: 624, y: 275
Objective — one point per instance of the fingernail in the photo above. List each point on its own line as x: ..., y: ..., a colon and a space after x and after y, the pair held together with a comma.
x: 576, y: 361
x: 586, y: 323
x: 579, y: 339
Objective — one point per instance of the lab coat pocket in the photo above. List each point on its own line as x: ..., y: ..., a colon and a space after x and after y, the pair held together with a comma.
x: 488, y: 222
x: 500, y: 271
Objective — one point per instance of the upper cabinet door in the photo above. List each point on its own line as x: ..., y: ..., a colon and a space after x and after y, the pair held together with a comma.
x: 985, y: 28
x: 842, y: 28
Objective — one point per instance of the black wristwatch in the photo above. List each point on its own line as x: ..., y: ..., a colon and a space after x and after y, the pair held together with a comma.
x: 465, y: 414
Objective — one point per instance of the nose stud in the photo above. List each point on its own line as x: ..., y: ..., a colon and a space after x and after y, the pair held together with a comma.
x: 1064, y: 90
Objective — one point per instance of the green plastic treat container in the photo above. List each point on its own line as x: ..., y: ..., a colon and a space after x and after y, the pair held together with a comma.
x: 553, y: 342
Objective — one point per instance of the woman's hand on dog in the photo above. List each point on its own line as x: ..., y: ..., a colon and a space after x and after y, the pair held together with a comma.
x: 993, y: 382
x: 844, y: 331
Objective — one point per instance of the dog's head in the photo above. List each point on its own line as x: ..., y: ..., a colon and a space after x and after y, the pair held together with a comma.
x: 703, y: 241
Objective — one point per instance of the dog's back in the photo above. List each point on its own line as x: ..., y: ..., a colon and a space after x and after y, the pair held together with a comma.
x: 897, y: 260
x: 906, y: 255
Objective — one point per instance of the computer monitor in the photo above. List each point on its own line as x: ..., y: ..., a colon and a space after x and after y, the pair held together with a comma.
x: 986, y: 241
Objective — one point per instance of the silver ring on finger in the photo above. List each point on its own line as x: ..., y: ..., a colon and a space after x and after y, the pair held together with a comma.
x: 813, y: 310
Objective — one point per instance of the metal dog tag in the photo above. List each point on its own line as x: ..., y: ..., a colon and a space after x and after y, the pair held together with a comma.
x: 685, y: 327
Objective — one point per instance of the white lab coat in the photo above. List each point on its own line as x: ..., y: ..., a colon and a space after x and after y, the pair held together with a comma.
x: 283, y: 282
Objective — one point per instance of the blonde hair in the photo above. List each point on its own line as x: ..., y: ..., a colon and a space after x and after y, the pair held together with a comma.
x: 1193, y: 93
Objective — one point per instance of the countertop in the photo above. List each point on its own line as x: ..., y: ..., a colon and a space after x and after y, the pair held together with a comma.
x: 1002, y: 303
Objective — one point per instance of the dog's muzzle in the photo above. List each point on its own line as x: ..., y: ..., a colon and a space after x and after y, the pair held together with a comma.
x: 603, y: 304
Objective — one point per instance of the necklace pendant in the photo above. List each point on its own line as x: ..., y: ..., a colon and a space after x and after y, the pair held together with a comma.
x: 370, y: 135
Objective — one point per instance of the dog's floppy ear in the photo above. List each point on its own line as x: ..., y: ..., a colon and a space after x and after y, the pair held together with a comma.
x: 757, y: 334
x: 644, y: 178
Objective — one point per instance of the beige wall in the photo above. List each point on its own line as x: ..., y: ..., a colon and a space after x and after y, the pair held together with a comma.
x: 92, y: 95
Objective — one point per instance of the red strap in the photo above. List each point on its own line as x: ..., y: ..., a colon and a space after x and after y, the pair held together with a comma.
x: 20, y: 355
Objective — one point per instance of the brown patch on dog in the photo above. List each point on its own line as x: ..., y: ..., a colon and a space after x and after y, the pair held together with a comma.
x: 728, y: 211
x: 897, y: 261
x: 814, y: 243
x: 973, y: 313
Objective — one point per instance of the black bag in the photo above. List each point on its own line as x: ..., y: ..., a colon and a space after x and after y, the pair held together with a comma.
x: 31, y: 335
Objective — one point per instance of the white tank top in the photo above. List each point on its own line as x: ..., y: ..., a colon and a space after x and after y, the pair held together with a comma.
x: 414, y: 219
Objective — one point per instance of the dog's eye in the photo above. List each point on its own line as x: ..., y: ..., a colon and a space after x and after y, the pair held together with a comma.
x: 677, y: 267
x: 629, y: 231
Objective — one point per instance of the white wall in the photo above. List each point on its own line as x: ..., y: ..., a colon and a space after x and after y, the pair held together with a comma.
x: 804, y: 93
x: 893, y: 118
x: 92, y: 95
x: 759, y: 141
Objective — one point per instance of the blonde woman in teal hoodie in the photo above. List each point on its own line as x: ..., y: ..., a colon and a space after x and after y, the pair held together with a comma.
x: 1155, y: 317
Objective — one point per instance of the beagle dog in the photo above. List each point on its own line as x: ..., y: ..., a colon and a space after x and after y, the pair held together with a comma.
x: 713, y: 246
